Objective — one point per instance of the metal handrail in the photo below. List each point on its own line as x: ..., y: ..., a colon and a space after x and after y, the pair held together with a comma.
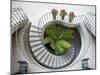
x: 38, y: 50
x: 18, y: 19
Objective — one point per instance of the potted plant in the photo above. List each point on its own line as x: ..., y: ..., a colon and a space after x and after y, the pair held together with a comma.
x: 71, y: 16
x: 54, y: 13
x: 63, y: 13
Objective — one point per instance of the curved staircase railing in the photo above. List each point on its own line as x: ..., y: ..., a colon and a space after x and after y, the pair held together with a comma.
x: 18, y: 19
x: 47, y: 59
x: 30, y: 38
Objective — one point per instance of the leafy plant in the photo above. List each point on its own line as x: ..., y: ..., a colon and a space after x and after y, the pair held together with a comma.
x: 71, y: 16
x: 54, y: 13
x: 58, y: 37
x: 63, y: 13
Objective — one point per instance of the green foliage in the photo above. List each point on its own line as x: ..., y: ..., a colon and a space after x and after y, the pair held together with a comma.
x: 62, y: 46
x: 58, y: 37
x: 47, y: 40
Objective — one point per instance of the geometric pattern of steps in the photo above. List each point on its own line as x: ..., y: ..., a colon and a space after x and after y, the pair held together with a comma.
x: 90, y: 23
x: 18, y: 19
x: 22, y: 43
x: 43, y: 56
x: 38, y: 50
x: 19, y: 52
x: 49, y: 60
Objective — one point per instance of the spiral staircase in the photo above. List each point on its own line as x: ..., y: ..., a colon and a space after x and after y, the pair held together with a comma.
x: 28, y: 46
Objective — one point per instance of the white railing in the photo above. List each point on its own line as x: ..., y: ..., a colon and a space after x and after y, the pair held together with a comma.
x: 47, y: 59
x: 18, y: 19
